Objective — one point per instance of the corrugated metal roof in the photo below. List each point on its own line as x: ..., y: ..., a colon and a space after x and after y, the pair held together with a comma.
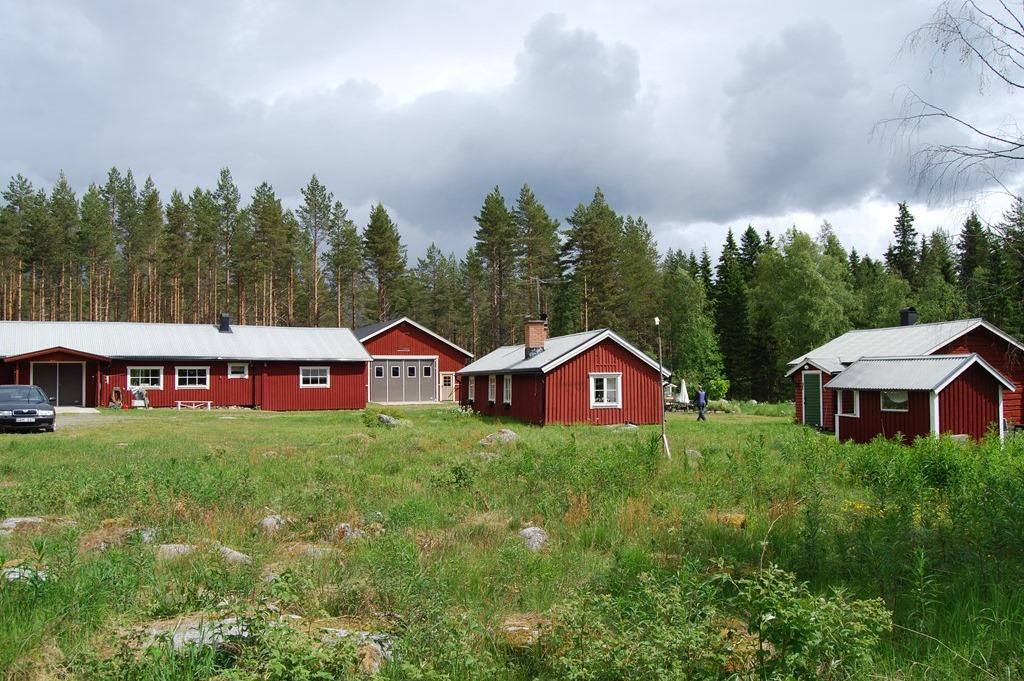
x: 826, y: 364
x: 894, y: 341
x: 370, y: 329
x: 929, y: 372
x: 512, y: 358
x: 185, y: 341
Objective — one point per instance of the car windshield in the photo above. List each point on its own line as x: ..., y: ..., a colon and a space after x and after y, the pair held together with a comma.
x: 21, y: 393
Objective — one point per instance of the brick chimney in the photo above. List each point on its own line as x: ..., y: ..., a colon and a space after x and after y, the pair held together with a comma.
x: 535, y: 332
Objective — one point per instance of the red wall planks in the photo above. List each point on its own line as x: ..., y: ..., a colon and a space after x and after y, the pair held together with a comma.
x: 405, y: 339
x: 281, y: 392
x: 568, y: 388
x: 1004, y: 358
x: 970, y: 404
x: 527, y: 397
x: 873, y: 421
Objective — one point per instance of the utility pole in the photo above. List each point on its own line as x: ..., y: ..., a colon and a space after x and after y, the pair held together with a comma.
x: 661, y: 392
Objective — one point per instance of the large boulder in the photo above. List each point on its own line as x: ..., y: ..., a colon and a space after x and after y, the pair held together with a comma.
x: 503, y: 436
x: 18, y: 525
x: 194, y: 631
x: 534, y: 537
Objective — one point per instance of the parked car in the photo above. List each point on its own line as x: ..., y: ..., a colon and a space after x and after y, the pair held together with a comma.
x: 26, y: 407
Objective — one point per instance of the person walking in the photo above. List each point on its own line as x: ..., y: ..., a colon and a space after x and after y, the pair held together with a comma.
x: 702, y: 403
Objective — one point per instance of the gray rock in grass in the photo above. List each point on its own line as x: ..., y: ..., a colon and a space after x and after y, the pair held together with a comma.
x: 345, y: 532
x: 534, y: 537
x: 195, y: 631
x: 503, y: 436
x: 272, y: 523
x: 234, y: 557
x: 389, y: 421
x: 173, y: 551
x: 12, y: 525
x: 23, y: 573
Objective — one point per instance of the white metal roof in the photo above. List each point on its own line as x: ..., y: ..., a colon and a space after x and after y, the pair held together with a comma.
x: 829, y: 365
x: 184, y: 341
x: 898, y: 341
x: 557, y: 350
x: 929, y: 372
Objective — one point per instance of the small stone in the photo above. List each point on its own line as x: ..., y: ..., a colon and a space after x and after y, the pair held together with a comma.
x: 147, y: 535
x: 523, y: 631
x: 23, y: 573
x: 371, y: 658
x: 502, y: 436
x: 272, y: 523
x: 12, y: 525
x: 173, y: 551
x: 345, y: 532
x: 534, y: 537
x: 234, y: 557
x: 374, y: 649
x: 694, y: 459
x: 389, y: 421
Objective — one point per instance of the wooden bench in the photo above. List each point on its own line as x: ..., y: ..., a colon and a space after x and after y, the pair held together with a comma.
x: 194, y: 404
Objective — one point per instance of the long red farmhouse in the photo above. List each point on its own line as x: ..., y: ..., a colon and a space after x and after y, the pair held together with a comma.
x: 590, y: 377
x: 274, y: 368
x: 962, y: 377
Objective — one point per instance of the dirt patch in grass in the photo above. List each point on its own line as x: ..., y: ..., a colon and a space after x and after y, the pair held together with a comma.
x: 523, y: 630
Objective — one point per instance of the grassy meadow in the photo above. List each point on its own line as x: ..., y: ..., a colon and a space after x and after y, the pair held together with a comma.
x: 772, y: 553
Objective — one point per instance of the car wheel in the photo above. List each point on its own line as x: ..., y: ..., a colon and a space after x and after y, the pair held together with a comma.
x: 50, y: 429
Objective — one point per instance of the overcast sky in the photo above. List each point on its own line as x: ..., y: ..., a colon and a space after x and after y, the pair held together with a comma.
x: 697, y: 116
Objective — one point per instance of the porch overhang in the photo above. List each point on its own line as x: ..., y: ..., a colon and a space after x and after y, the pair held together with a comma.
x: 59, y: 349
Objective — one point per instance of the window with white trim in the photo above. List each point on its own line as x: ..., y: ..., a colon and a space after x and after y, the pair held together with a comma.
x: 314, y: 377
x: 492, y: 381
x: 150, y: 378
x: 848, y: 402
x: 411, y: 371
x: 428, y: 371
x: 192, y: 377
x: 605, y: 391
x: 396, y: 371
x: 470, y: 388
x: 378, y: 371
x: 895, y: 400
x: 506, y: 388
x: 238, y: 370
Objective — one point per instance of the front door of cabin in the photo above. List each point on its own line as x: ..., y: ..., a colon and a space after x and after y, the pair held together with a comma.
x: 812, y: 398
x: 448, y: 387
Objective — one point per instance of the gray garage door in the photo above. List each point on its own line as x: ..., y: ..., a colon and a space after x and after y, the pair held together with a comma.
x: 62, y: 381
x: 403, y: 380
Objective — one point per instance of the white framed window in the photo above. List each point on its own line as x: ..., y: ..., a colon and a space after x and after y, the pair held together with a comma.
x: 378, y: 371
x: 848, y: 402
x: 411, y: 371
x: 506, y: 388
x: 192, y: 377
x: 151, y: 378
x: 895, y: 400
x: 238, y: 370
x: 492, y: 381
x: 428, y: 371
x: 470, y: 388
x: 314, y: 377
x: 605, y: 391
x: 396, y: 371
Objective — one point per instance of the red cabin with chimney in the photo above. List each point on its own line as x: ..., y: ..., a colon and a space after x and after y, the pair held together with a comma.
x: 591, y: 377
x: 963, y: 377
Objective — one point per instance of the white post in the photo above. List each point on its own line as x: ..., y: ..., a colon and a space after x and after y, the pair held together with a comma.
x: 661, y: 392
x: 933, y: 404
x: 1002, y: 421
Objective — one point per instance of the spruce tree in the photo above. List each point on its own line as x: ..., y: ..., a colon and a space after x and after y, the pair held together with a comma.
x: 590, y: 253
x: 903, y: 254
x: 641, y: 279
x: 538, y: 233
x: 704, y: 273
x: 497, y: 246
x: 385, y: 258
x: 343, y: 262
x: 731, y: 321
x: 228, y: 200
x: 315, y: 217
x: 750, y: 249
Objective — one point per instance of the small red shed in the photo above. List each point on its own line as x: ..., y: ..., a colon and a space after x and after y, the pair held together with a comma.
x: 411, y: 363
x: 591, y: 377
x: 811, y: 372
x: 274, y: 368
x: 960, y: 395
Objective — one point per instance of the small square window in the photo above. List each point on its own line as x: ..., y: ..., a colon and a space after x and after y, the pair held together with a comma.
x: 396, y: 371
x: 411, y: 370
x: 238, y: 370
x: 848, y: 402
x: 378, y: 371
x: 604, y: 390
x: 428, y: 371
x: 895, y: 400
x: 314, y: 377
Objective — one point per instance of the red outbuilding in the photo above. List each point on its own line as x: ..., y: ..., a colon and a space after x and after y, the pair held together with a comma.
x: 411, y: 363
x: 590, y: 377
x: 275, y: 368
x: 985, y: 394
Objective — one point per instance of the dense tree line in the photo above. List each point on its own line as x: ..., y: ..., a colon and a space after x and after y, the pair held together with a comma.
x: 119, y: 252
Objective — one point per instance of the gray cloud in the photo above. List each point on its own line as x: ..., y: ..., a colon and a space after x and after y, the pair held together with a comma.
x: 696, y: 126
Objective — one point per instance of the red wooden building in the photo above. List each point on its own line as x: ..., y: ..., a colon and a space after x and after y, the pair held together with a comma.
x: 822, y: 373
x: 411, y: 363
x: 590, y: 377
x: 273, y: 368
